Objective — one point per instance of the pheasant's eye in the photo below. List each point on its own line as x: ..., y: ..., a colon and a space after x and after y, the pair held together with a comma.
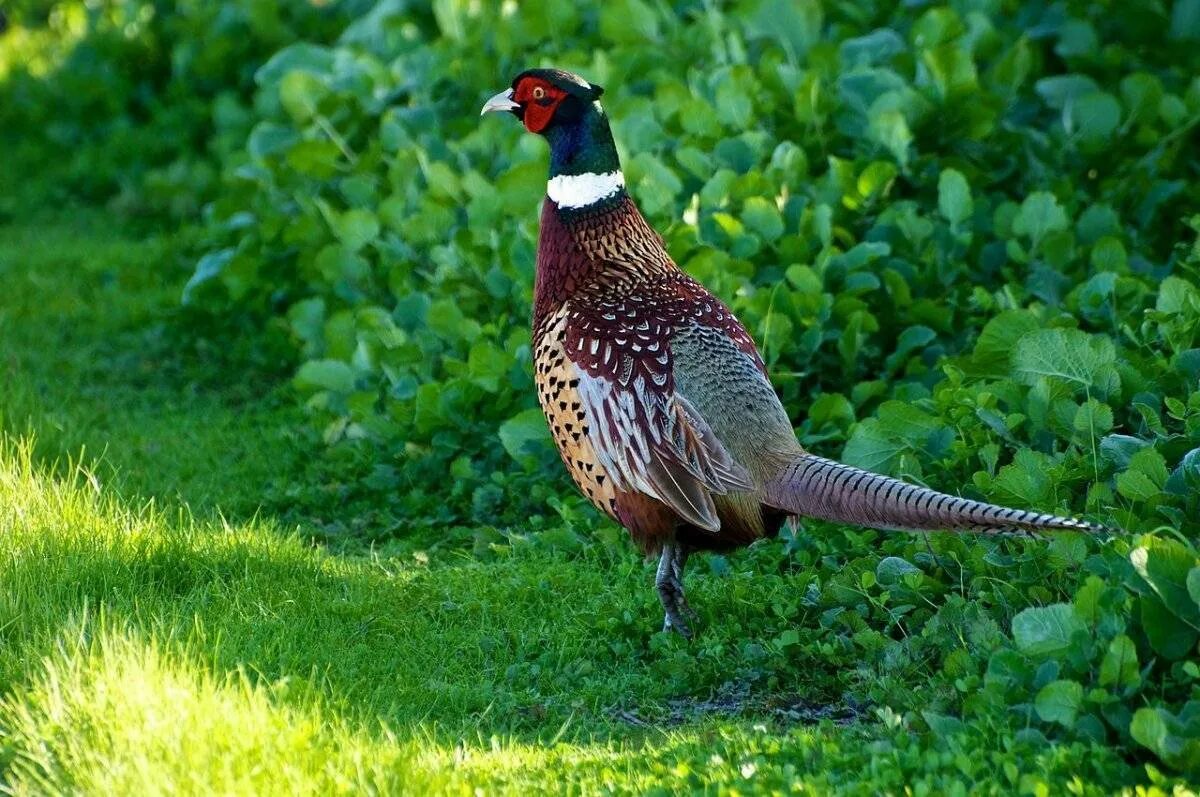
x: 539, y: 92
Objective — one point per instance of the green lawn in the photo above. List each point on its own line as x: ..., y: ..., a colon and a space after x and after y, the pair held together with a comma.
x: 166, y: 624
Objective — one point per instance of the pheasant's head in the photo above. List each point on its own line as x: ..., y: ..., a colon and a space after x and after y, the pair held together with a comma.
x: 546, y: 98
x: 564, y: 109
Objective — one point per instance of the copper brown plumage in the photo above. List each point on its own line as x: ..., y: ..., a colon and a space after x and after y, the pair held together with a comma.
x: 655, y: 394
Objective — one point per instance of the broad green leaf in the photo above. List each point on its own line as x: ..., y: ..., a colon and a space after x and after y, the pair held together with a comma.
x: 941, y: 725
x: 1039, y: 215
x: 1165, y: 565
x: 629, y: 21
x: 1077, y: 38
x: 1109, y: 255
x: 523, y: 434
x: 1169, y: 635
x: 300, y: 92
x: 994, y: 347
x: 1177, y: 295
x: 762, y: 217
x: 892, y: 569
x: 1177, y: 744
x: 954, y: 197
x: 1120, y: 664
x: 831, y: 408
x: 301, y: 56
x: 208, y: 268
x: 1059, y: 90
x: 332, y: 375
x: 356, y: 228
x: 1093, y: 420
x: 1145, y: 476
x: 875, y: 47
x: 1095, y: 117
x: 795, y: 24
x: 1086, y: 361
x: 655, y: 184
x: 1046, y: 630
x: 1059, y: 702
x: 889, y: 129
x: 268, y: 138
x: 487, y: 365
x: 338, y: 263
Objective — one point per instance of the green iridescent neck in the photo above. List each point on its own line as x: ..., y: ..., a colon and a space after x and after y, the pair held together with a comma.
x: 584, y: 145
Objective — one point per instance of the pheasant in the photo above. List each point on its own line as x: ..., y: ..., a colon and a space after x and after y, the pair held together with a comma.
x: 659, y: 402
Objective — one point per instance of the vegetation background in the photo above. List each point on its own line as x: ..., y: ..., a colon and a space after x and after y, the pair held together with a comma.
x: 277, y: 511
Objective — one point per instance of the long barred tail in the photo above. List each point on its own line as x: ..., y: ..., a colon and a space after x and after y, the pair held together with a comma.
x: 816, y: 487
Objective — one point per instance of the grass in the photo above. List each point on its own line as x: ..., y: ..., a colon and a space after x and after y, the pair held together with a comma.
x: 162, y: 630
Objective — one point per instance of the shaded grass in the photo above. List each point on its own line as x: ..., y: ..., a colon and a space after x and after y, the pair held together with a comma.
x: 95, y: 355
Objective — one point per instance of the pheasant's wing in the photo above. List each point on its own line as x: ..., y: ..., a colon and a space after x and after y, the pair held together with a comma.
x: 646, y: 436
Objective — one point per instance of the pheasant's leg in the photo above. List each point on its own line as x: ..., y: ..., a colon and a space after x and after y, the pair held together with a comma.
x: 670, y: 592
x: 677, y: 566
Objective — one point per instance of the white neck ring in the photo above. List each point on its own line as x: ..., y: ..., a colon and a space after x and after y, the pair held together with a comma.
x: 581, y: 190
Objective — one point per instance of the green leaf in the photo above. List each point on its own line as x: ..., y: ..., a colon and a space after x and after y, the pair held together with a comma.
x: 1087, y: 361
x: 889, y: 129
x: 1177, y: 744
x: 269, y: 138
x: 954, y: 197
x: 356, y: 228
x: 630, y: 21
x: 1046, y: 630
x: 1024, y: 481
x: 1092, y: 420
x: 892, y: 569
x: 296, y: 57
x: 300, y: 92
x: 1059, y: 701
x: 1095, y: 117
x: 993, y: 351
x: 763, y: 218
x: 1145, y: 477
x: 1169, y: 635
x: 1149, y: 729
x: 207, y: 269
x: 795, y: 24
x: 488, y: 364
x: 655, y: 184
x: 1039, y: 215
x: 1120, y: 664
x: 1059, y: 90
x: 1109, y: 255
x: 1193, y: 584
x: 877, y: 443
x: 1165, y: 565
x: 1177, y: 295
x: 332, y: 375
x: 338, y: 263
x: 524, y: 434
x: 941, y: 725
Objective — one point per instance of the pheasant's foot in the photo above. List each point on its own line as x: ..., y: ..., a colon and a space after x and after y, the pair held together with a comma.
x: 678, y: 563
x: 669, y: 586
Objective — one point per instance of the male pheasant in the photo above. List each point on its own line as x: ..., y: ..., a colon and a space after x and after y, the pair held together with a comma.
x: 656, y: 395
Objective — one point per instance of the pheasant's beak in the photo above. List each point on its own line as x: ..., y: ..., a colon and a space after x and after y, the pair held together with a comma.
x: 501, y: 102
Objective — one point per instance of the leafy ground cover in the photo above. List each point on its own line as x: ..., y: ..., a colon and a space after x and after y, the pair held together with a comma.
x: 964, y: 233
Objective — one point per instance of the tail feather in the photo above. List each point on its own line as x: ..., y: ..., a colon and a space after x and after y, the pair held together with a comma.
x: 816, y: 487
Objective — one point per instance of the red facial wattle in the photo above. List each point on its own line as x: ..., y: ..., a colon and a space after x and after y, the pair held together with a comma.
x: 539, y: 101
